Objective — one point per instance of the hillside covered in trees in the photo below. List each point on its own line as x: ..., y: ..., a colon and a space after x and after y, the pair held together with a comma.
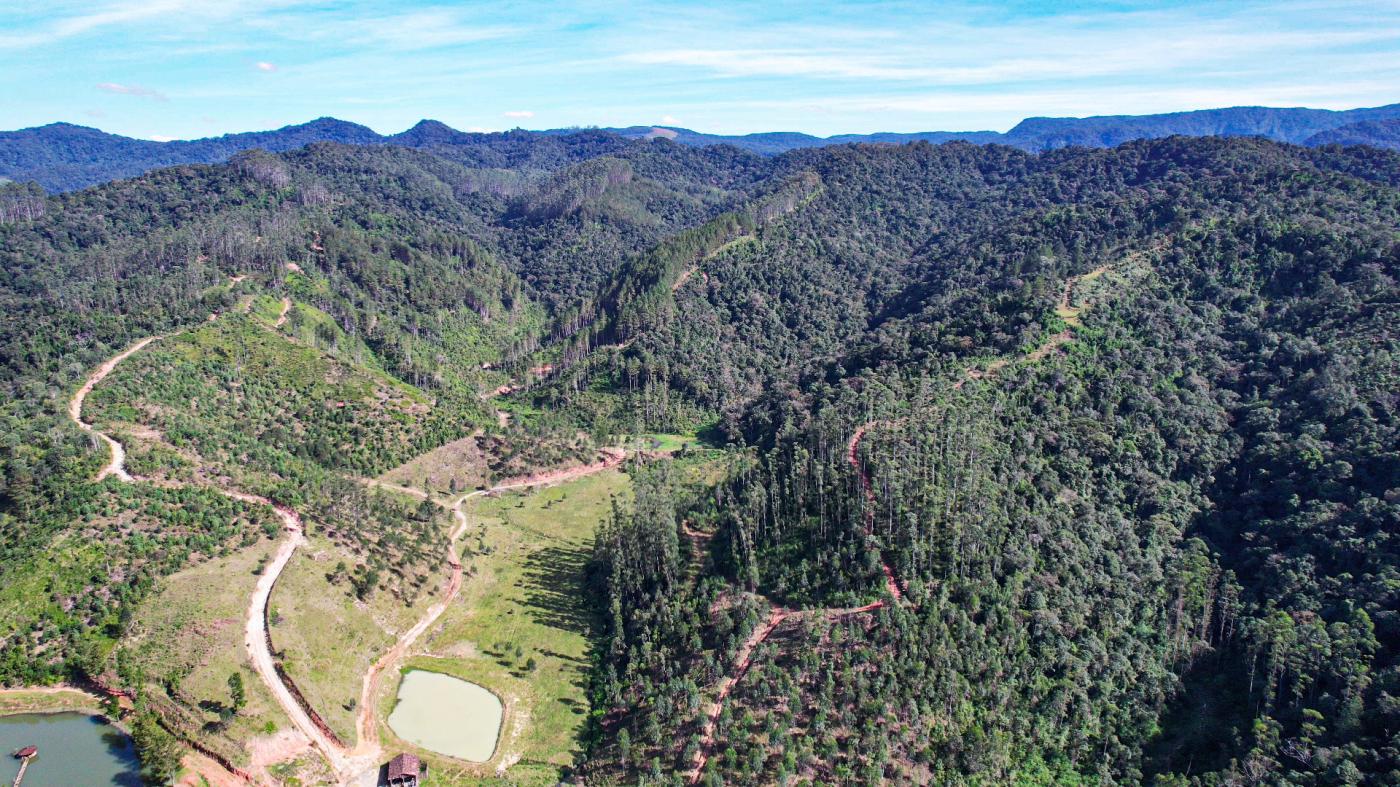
x: 1074, y: 467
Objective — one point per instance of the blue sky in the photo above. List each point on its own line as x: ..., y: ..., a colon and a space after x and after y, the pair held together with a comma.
x: 162, y: 69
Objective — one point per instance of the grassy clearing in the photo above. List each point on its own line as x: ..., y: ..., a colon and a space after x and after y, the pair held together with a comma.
x: 737, y: 243
x: 522, y: 603
x: 46, y: 701
x: 187, y: 639
x: 665, y: 443
x: 265, y: 308
x: 327, y: 637
x: 458, y: 466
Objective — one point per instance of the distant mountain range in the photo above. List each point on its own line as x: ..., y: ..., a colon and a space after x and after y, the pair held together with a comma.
x: 64, y: 156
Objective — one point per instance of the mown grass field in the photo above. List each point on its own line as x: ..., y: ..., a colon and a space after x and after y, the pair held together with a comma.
x: 522, y: 603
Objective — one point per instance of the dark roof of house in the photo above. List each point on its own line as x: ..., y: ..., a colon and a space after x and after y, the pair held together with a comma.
x: 404, y: 765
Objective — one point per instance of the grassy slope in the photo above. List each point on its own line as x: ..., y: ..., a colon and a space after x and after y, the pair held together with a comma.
x: 189, y: 636
x: 328, y: 638
x: 222, y: 386
x: 456, y: 467
x: 525, y: 553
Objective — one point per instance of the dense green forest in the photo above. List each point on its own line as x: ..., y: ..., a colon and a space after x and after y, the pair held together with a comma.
x: 1077, y: 467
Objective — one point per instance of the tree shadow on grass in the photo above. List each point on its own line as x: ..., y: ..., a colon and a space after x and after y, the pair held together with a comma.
x: 554, y: 589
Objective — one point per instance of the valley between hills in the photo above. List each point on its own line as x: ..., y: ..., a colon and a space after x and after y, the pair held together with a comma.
x: 601, y: 460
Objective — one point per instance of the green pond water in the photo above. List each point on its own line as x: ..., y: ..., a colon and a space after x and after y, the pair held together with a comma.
x: 75, y: 750
x: 447, y: 715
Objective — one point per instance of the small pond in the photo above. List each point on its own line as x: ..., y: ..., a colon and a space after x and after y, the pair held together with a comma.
x: 74, y: 748
x: 447, y: 715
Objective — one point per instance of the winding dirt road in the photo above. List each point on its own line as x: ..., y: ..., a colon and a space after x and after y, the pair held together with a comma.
x: 257, y: 638
x: 116, y: 465
x: 777, y: 615
x: 345, y: 764
x: 366, y: 728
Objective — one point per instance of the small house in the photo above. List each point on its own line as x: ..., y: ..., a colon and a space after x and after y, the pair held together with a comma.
x: 404, y: 771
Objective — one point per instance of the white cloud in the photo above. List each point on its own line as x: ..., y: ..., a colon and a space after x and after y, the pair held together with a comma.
x: 519, y: 113
x: 670, y: 120
x: 162, y: 138
x: 131, y: 90
x: 263, y: 65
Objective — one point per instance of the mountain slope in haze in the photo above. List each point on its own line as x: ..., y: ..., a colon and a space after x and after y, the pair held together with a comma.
x: 1295, y: 125
x: 62, y: 156
x: 1376, y: 133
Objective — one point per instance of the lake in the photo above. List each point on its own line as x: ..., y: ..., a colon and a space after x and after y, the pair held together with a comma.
x: 74, y: 749
x: 447, y: 715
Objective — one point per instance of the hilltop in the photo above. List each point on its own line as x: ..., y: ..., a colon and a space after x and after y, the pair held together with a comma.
x: 63, y: 156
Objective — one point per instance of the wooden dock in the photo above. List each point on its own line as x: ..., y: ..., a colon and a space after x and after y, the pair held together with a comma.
x: 23, y: 766
x: 24, y: 755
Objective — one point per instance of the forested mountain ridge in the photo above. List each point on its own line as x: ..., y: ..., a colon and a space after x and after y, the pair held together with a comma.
x: 1376, y: 133
x: 1126, y: 418
x: 63, y: 156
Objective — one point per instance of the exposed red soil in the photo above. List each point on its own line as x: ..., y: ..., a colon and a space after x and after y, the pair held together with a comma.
x: 868, y: 488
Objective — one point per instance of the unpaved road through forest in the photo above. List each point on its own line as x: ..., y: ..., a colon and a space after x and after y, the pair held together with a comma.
x: 116, y: 465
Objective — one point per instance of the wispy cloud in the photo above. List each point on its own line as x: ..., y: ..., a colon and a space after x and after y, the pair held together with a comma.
x: 940, y: 107
x: 955, y: 61
x: 131, y: 90
x: 721, y: 65
x: 431, y: 28
x: 84, y: 20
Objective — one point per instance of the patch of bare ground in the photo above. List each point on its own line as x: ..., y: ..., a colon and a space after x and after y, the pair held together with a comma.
x: 684, y: 277
x: 282, y: 746
x: 202, y: 771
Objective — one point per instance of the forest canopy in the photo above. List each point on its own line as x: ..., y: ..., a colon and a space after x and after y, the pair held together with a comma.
x: 1071, y: 467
